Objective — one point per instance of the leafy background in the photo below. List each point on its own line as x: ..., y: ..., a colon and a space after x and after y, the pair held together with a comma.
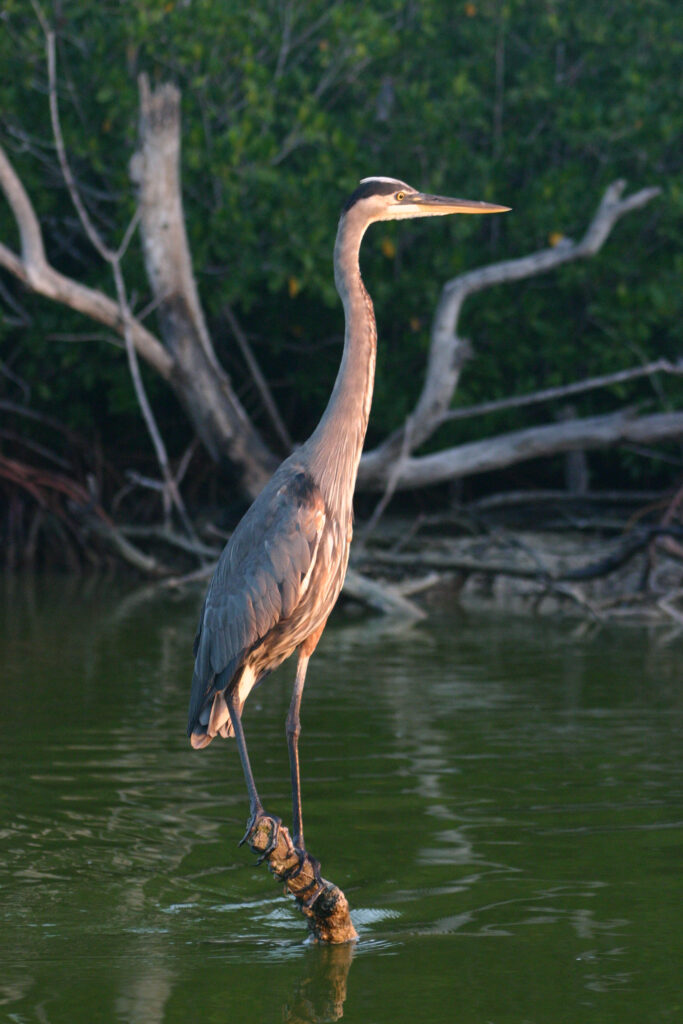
x: 538, y: 105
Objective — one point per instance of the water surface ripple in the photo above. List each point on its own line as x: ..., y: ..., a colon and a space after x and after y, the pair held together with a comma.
x: 499, y: 797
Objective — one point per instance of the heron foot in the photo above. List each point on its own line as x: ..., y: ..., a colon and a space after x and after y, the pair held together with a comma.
x: 254, y: 821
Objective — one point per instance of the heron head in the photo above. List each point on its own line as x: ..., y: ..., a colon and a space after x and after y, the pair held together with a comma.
x: 391, y: 199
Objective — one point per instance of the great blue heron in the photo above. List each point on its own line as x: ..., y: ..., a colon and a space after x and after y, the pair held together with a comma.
x: 281, y: 572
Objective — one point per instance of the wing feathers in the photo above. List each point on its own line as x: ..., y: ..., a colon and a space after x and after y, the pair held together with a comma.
x: 259, y: 579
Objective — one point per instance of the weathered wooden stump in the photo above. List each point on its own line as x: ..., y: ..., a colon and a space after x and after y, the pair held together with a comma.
x: 324, y: 905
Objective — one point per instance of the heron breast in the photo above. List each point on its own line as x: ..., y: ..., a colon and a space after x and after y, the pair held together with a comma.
x: 324, y: 581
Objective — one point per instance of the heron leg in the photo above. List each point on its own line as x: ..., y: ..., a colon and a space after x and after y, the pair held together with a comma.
x: 293, y: 731
x: 256, y: 810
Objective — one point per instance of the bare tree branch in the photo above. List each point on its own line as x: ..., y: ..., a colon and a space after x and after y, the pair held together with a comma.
x: 258, y: 378
x: 186, y: 360
x: 519, y: 445
x: 171, y: 488
x: 33, y: 270
x: 448, y: 351
x: 65, y: 167
x: 113, y: 258
x: 564, y: 390
x: 202, y: 385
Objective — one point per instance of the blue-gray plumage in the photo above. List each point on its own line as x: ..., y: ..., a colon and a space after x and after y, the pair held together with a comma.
x: 282, y: 570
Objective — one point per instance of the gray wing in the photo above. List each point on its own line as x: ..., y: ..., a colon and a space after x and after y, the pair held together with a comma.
x: 258, y: 581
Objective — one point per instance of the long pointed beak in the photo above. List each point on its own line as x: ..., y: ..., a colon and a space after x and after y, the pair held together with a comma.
x: 443, y: 204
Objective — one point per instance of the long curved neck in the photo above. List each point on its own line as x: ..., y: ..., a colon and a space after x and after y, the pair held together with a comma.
x: 337, y: 442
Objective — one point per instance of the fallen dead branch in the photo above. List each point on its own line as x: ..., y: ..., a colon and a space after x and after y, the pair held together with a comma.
x: 639, y: 575
x: 383, y: 597
x: 508, y: 499
x: 625, y: 549
x: 505, y: 450
x: 72, y: 509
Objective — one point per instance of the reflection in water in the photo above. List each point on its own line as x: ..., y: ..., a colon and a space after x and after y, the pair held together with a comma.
x: 317, y: 996
x: 320, y: 993
x: 145, y: 992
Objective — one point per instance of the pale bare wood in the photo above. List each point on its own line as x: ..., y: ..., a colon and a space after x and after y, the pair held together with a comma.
x: 578, y: 387
x: 31, y: 267
x: 448, y: 350
x: 187, y: 360
x: 532, y: 566
x: 155, y: 168
x: 171, y: 493
x: 202, y: 385
x: 383, y: 597
x: 533, y: 442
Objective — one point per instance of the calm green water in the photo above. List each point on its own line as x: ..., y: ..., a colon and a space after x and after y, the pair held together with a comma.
x: 499, y: 798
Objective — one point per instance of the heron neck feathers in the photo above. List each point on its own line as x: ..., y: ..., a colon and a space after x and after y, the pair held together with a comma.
x: 337, y: 442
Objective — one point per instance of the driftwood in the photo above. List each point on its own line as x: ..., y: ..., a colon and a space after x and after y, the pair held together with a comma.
x: 508, y: 499
x: 623, y: 427
x: 625, y: 549
x: 382, y: 597
x: 323, y: 904
x: 604, y: 585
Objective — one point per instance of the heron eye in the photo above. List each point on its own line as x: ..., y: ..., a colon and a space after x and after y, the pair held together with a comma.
x: 400, y: 196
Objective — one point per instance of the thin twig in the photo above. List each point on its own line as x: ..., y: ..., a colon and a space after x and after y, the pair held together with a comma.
x: 83, y: 215
x: 563, y: 390
x: 258, y: 378
x: 394, y: 475
x: 667, y: 606
x: 128, y: 234
x: 185, y: 460
x: 160, y: 449
x: 113, y: 258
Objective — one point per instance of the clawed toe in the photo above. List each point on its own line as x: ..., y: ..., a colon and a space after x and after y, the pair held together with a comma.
x: 309, y: 893
x: 253, y: 824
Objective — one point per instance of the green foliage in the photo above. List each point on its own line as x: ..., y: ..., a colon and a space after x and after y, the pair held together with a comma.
x: 285, y: 106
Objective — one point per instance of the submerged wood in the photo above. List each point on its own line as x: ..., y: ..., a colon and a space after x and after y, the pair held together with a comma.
x: 324, y: 905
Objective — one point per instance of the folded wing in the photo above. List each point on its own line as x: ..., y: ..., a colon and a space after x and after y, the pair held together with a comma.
x: 258, y: 582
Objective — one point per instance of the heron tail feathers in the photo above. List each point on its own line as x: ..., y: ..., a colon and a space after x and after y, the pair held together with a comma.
x: 214, y: 720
